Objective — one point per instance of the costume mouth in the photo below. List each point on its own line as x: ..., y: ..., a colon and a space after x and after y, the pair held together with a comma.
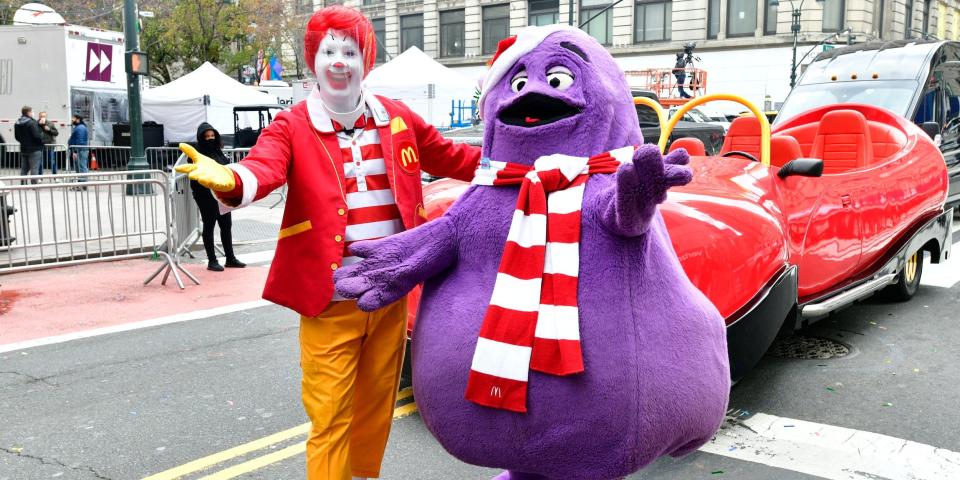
x: 536, y: 109
x: 338, y: 80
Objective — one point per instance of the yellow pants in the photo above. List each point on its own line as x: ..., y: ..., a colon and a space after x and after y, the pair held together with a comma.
x: 348, y: 354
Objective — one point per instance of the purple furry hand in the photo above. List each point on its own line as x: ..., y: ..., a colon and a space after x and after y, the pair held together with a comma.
x: 630, y: 202
x: 392, y: 266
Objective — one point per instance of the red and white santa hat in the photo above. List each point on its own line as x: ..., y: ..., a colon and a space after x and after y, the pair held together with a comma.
x: 510, y: 49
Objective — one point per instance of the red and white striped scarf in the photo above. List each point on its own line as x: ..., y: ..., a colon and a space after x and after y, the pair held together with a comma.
x: 533, y: 321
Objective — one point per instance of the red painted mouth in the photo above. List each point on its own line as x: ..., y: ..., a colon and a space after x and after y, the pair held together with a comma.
x: 338, y: 81
x: 531, y: 120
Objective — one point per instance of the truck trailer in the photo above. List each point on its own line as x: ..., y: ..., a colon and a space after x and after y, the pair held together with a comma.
x: 63, y: 69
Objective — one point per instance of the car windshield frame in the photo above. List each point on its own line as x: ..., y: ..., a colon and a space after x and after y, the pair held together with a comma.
x: 895, y: 95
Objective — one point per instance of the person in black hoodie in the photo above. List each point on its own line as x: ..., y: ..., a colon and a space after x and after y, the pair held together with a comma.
x: 209, y: 144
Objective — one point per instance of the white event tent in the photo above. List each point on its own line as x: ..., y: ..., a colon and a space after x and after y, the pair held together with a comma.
x: 203, y: 95
x: 407, y: 78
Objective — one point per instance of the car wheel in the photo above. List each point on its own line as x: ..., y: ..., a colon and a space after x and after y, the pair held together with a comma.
x: 908, y: 280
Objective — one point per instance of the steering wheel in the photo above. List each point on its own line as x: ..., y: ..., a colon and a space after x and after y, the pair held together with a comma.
x: 740, y: 153
x: 693, y: 102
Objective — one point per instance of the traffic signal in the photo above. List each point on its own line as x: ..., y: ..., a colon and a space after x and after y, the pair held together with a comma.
x: 137, y: 63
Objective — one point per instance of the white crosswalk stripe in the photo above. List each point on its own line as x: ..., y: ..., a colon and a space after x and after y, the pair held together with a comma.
x: 831, y: 452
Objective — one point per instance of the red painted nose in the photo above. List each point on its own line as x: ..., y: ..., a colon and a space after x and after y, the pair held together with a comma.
x: 339, y: 65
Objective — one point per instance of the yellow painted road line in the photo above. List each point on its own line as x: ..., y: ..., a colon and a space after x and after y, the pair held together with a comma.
x: 405, y: 410
x: 220, y: 457
x: 258, y: 463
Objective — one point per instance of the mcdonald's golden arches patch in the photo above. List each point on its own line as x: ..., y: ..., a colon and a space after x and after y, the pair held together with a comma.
x: 406, y: 155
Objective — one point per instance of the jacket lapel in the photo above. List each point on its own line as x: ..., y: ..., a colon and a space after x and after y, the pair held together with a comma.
x: 330, y: 157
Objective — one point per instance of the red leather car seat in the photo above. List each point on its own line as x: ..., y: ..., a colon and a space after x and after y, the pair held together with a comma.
x: 887, y: 140
x: 804, y: 135
x: 693, y: 146
x: 743, y: 136
x: 783, y: 148
x: 843, y: 141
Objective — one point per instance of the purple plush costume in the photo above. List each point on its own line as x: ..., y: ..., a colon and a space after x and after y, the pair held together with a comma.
x: 656, y: 378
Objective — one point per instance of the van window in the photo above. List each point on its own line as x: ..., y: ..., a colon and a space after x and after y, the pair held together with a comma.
x: 894, y: 95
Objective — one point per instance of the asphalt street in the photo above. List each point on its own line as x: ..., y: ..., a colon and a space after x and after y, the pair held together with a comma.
x: 154, y: 401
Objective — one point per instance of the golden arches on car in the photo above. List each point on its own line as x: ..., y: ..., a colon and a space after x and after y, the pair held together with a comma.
x: 694, y: 102
x: 661, y: 113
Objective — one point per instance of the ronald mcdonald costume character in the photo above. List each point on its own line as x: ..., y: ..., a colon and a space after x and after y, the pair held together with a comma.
x: 352, y: 163
x: 558, y: 336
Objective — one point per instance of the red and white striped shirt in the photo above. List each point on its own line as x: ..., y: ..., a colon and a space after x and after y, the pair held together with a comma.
x: 372, y: 211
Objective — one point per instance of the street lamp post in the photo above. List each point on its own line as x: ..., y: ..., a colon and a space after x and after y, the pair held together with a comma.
x: 795, y: 29
x: 138, y: 159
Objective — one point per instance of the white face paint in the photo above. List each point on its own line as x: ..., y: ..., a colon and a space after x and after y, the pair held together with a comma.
x: 339, y: 68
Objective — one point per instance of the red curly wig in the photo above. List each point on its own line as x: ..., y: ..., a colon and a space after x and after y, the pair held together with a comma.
x: 344, y: 19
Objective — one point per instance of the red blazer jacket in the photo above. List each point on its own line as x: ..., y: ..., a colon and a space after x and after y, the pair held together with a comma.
x: 301, y: 149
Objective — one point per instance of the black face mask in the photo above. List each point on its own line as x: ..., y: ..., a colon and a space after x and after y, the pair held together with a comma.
x: 212, y: 143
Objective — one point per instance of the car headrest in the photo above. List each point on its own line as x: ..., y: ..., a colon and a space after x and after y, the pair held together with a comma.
x: 839, y: 122
x: 784, y: 148
x: 694, y: 146
x: 744, y: 126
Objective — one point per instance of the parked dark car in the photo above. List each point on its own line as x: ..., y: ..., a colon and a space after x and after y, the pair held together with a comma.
x: 711, y: 135
x: 916, y: 79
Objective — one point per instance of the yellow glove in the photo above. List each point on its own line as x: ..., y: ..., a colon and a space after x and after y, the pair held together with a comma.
x: 206, y: 170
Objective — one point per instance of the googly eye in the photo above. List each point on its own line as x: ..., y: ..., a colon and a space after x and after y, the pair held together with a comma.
x: 559, y: 78
x: 519, y: 81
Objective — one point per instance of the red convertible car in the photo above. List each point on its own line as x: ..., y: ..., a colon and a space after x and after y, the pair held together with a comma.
x: 842, y: 203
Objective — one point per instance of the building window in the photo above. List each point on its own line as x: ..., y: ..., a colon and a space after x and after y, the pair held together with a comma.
x: 770, y: 20
x: 411, y: 32
x: 713, y: 18
x: 600, y: 27
x: 652, y: 20
x: 380, y: 31
x: 833, y: 15
x: 908, y: 22
x: 741, y: 18
x: 543, y: 12
x: 496, y: 26
x: 451, y: 33
x: 371, y: 2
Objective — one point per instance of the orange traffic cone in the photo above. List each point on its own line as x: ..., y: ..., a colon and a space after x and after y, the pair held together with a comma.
x: 93, y: 161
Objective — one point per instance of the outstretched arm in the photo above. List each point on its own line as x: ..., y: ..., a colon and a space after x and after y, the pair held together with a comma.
x: 442, y: 157
x: 628, y: 204
x: 394, y: 265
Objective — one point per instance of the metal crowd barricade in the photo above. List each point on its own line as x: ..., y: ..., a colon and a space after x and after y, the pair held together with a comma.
x: 186, y: 214
x: 10, y: 160
x: 162, y: 158
x: 63, y: 220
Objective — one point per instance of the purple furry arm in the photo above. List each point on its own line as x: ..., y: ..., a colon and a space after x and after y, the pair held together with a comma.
x: 394, y: 265
x: 629, y: 203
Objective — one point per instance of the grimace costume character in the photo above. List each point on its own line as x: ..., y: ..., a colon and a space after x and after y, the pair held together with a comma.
x: 558, y: 336
x: 352, y: 162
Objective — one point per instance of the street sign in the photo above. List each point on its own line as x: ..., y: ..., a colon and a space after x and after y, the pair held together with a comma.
x: 146, y: 14
x: 99, y: 62
x: 827, y: 47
